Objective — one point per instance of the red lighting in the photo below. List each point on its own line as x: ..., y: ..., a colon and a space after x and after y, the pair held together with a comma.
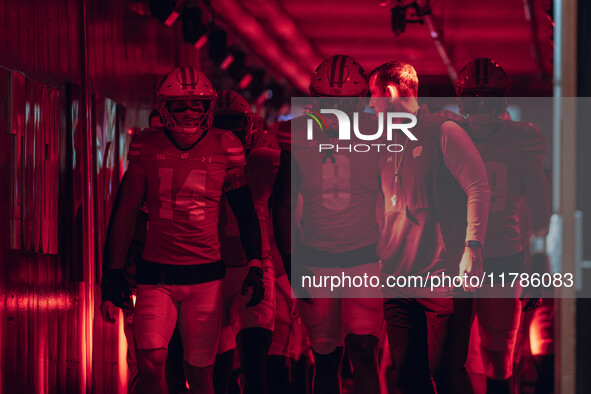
x: 200, y: 42
x: 245, y: 81
x: 171, y: 18
x: 266, y: 95
x: 50, y: 302
x: 227, y: 62
x: 541, y: 329
x: 122, y: 353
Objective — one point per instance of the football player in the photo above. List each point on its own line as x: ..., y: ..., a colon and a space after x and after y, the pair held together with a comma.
x: 513, y: 154
x: 339, y: 192
x: 243, y: 324
x: 412, y: 241
x: 181, y: 172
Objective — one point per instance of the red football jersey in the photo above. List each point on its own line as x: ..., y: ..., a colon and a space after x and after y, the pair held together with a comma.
x: 184, y: 190
x: 261, y: 168
x: 513, y: 156
x: 339, y: 190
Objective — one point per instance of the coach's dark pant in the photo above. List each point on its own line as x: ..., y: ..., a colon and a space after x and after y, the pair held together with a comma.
x: 452, y: 377
x: 417, y: 328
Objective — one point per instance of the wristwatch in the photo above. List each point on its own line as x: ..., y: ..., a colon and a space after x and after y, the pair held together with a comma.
x: 473, y: 244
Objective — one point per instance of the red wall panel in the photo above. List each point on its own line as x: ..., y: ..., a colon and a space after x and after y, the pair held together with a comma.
x: 52, y: 338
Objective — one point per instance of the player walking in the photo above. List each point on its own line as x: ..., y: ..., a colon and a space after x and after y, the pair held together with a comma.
x: 181, y: 171
x: 339, y: 192
x: 513, y: 154
x: 244, y: 324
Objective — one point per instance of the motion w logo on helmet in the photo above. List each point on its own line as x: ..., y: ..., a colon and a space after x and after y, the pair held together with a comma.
x: 338, y: 74
x: 187, y: 78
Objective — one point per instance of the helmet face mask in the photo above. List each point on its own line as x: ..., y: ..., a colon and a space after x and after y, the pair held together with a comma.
x: 232, y: 112
x: 482, y: 89
x: 184, y: 105
x: 185, y: 100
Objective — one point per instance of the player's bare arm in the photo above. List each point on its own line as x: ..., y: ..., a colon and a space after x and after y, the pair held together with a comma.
x: 107, y: 307
x: 133, y: 191
x: 114, y: 285
x: 464, y: 162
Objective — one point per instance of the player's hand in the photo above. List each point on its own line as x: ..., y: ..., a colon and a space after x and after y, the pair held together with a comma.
x: 108, y: 311
x: 470, y: 265
x: 254, y: 279
x: 115, y: 288
x: 532, y: 297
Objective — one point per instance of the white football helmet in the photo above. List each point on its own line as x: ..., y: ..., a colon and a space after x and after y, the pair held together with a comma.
x: 339, y: 76
x: 193, y: 90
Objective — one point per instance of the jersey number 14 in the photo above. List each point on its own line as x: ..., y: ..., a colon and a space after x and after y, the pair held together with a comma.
x: 190, y: 197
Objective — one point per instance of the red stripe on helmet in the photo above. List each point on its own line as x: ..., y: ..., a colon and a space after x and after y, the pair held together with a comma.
x: 333, y: 69
x: 341, y: 71
x: 183, y: 78
x: 193, y: 81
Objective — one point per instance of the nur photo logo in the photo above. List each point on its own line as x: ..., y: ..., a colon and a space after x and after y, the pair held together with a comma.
x: 348, y: 130
x: 317, y: 117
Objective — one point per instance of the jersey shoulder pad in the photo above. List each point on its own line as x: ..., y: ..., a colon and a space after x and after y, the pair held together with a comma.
x: 529, y: 137
x: 230, y: 147
x: 144, y: 142
x: 444, y: 113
